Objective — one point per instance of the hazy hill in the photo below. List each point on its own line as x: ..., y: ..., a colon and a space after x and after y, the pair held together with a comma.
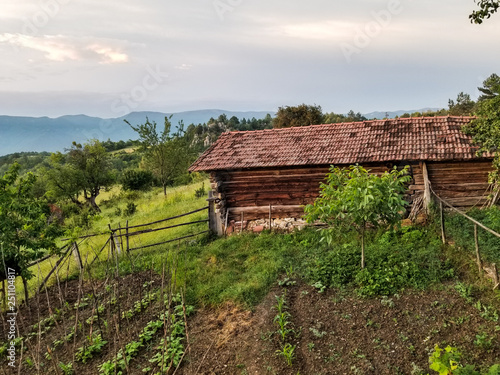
x: 23, y: 134
x: 18, y: 134
x: 391, y: 114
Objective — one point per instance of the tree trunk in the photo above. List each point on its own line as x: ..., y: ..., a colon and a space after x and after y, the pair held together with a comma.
x: 93, y: 204
x: 164, y: 189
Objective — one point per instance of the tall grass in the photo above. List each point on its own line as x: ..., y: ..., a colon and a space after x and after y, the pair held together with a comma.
x: 240, y: 268
x: 461, y: 231
x: 151, y: 206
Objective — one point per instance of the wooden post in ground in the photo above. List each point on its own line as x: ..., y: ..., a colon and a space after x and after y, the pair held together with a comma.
x: 495, y: 276
x: 118, y: 243
x: 427, y: 188
x: 126, y: 236
x: 76, y: 254
x: 478, y: 257
x: 270, y: 218
x: 225, y: 222
x: 214, y: 220
x: 443, y: 233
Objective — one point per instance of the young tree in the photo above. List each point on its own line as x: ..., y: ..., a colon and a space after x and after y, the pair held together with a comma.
x: 353, y: 197
x: 24, y: 229
x: 301, y: 115
x: 166, y: 155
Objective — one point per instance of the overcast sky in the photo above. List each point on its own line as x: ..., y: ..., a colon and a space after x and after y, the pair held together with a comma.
x: 108, y: 58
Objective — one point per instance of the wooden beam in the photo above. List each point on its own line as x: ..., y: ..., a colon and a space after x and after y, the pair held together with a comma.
x: 427, y: 188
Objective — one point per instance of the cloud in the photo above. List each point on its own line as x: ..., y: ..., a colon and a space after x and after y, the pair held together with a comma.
x: 64, y: 48
x: 183, y: 67
x: 108, y: 55
x: 324, y: 30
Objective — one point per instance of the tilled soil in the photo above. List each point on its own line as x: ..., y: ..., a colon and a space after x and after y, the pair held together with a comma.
x: 334, y: 332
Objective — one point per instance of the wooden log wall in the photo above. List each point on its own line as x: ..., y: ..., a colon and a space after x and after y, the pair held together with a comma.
x: 287, y: 190
x: 462, y: 184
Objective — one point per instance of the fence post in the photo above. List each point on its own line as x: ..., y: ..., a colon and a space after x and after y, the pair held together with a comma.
x: 443, y: 233
x: 495, y: 276
x: 478, y: 257
x: 270, y: 218
x: 126, y: 236
x: 118, y: 243
x: 76, y: 254
x: 214, y: 220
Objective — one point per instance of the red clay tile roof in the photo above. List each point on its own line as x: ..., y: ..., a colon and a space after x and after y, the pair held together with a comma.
x: 409, y: 139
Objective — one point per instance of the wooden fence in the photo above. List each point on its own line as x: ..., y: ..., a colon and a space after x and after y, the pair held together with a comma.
x: 119, y: 241
x: 492, y: 270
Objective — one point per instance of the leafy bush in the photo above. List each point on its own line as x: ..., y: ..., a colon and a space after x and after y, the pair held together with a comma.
x: 395, y: 260
x: 137, y: 179
x: 201, y: 192
x: 337, y: 267
x: 130, y: 209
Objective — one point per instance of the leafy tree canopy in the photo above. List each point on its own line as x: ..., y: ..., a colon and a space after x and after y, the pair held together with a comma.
x: 491, y: 88
x: 334, y: 118
x: 92, y: 167
x: 25, y: 234
x: 486, y: 9
x: 464, y: 105
x: 301, y: 115
x: 485, y: 128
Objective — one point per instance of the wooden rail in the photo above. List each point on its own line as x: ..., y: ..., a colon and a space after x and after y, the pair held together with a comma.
x: 115, y: 246
x: 493, y: 271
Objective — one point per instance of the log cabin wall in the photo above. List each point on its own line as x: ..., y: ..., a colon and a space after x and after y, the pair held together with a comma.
x: 463, y: 184
x: 286, y: 189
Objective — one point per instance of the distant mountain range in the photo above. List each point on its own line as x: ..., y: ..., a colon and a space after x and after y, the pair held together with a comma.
x: 393, y: 114
x: 22, y: 134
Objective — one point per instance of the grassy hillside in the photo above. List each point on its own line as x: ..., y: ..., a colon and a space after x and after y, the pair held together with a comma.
x: 273, y: 303
x: 151, y: 206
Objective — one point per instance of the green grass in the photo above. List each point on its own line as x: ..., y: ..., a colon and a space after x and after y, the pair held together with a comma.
x: 243, y: 267
x: 461, y: 231
x: 240, y: 268
x: 151, y: 206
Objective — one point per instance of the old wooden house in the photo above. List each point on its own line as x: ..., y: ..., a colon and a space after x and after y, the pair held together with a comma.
x: 274, y: 173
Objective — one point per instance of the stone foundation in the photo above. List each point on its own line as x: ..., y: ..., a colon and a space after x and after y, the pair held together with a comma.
x: 280, y: 225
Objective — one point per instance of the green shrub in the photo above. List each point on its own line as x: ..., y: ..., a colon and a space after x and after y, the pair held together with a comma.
x: 130, y: 209
x: 407, y: 258
x: 201, y: 192
x: 337, y: 267
x: 137, y: 179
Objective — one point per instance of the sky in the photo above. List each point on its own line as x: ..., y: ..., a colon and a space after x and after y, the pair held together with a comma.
x: 109, y: 58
